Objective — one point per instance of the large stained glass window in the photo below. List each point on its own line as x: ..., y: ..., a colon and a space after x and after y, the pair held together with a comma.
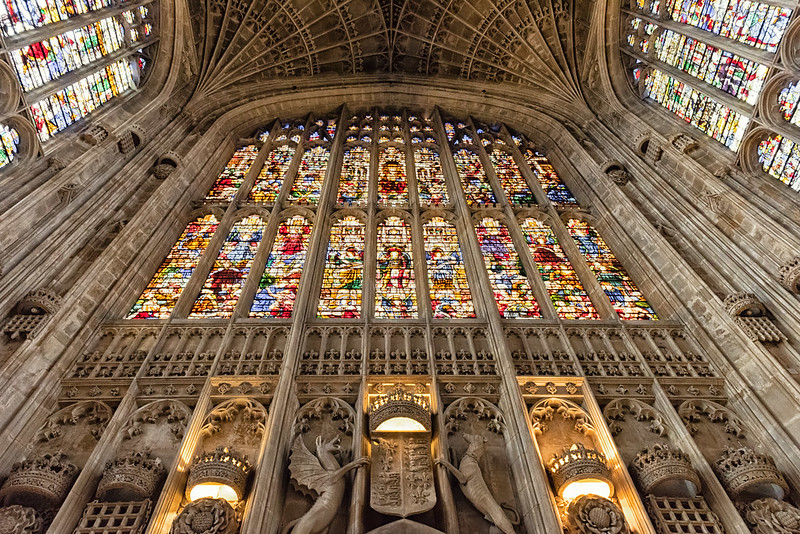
x: 395, y: 294
x: 224, y: 284
x: 512, y: 292
x: 232, y: 176
x: 788, y: 99
x: 716, y: 120
x: 9, y: 142
x: 554, y: 188
x: 473, y: 178
x: 430, y: 178
x: 343, y: 278
x: 308, y: 184
x: 355, y: 176
x: 270, y: 179
x: 161, y: 294
x: 780, y: 158
x: 513, y: 183
x: 19, y: 16
x: 278, y: 286
x: 626, y: 298
x: 447, y: 278
x: 392, y: 184
x: 566, y: 291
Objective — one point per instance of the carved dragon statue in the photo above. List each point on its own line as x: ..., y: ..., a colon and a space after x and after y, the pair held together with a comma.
x: 470, y: 476
x: 321, y: 476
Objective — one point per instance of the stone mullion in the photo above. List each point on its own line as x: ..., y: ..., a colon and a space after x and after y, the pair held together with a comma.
x: 368, y: 290
x: 358, y: 496
x: 439, y: 451
x: 712, y: 489
x: 533, y: 480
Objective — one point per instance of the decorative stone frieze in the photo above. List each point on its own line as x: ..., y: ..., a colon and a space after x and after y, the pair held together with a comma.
x: 43, y: 481
x: 744, y: 471
x: 222, y: 465
x: 790, y: 275
x: 16, y: 519
x: 662, y: 470
x: 744, y: 305
x: 132, y: 477
x: 206, y: 516
x: 591, y: 514
x: 577, y: 463
x: 770, y: 516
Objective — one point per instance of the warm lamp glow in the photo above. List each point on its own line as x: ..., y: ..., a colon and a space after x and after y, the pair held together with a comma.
x: 400, y: 424
x: 587, y: 486
x: 213, y: 490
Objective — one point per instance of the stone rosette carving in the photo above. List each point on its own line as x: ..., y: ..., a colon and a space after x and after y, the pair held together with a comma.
x: 16, y: 519
x: 658, y: 465
x: 591, y: 514
x: 743, y: 305
x: 44, y: 480
x: 399, y: 403
x: 206, y: 516
x: 134, y: 476
x: 790, y: 275
x: 770, y: 516
x: 577, y: 463
x: 222, y: 465
x: 745, y: 471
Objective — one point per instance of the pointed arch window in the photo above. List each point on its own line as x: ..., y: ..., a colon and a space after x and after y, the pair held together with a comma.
x: 395, y: 288
x: 511, y: 288
x: 392, y: 183
x: 270, y: 179
x: 277, y: 289
x: 447, y: 278
x: 232, y: 176
x: 430, y: 178
x: 343, y: 278
x: 224, y: 284
x: 626, y: 298
x: 308, y: 184
x: 513, y: 183
x: 354, y: 179
x: 161, y: 294
x: 473, y: 178
x: 780, y: 158
x: 788, y: 100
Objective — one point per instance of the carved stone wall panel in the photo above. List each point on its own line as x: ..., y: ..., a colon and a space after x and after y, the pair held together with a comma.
x: 254, y: 351
x: 313, y: 387
x: 540, y: 352
x: 452, y: 388
x: 634, y: 426
x: 714, y: 427
x: 603, y: 352
x: 607, y: 389
x: 158, y: 427
x: 184, y: 389
x: 186, y: 352
x: 332, y: 351
x: 463, y: 351
x: 116, y: 352
x: 238, y: 422
x: 558, y: 424
x: 75, y: 428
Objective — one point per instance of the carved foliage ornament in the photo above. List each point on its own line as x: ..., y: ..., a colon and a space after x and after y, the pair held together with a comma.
x: 206, y: 516
x: 485, y: 410
x: 547, y: 409
x: 18, y: 519
x: 770, y: 516
x: 247, y: 416
x: 617, y: 409
x: 173, y: 413
x: 591, y: 514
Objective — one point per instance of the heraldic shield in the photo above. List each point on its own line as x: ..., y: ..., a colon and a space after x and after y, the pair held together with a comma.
x: 401, y: 470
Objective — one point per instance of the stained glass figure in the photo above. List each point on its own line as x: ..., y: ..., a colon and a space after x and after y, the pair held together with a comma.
x: 161, y: 294
x: 513, y: 183
x: 395, y: 294
x: 343, y: 278
x: 232, y: 175
x: 566, y: 291
x: 224, y: 284
x: 308, y: 184
x: 44, y: 61
x: 512, y: 292
x: 270, y: 179
x: 716, y: 120
x: 473, y: 178
x: 430, y: 178
x: 354, y: 180
x: 753, y: 23
x: 447, y: 279
x: 626, y: 298
x: 780, y: 158
x: 733, y: 74
x: 19, y: 16
x: 392, y: 184
x: 551, y: 183
x: 278, y: 286
x: 788, y: 99
x: 9, y: 142
x: 54, y: 113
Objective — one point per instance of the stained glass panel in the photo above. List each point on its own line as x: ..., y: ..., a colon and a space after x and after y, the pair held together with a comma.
x: 430, y: 178
x: 623, y: 293
x: 512, y: 292
x: 278, y: 286
x: 308, y: 184
x: 9, y: 140
x: 233, y: 174
x: 720, y: 122
x: 161, y: 294
x: 344, y: 271
x: 780, y: 158
x: 270, y: 179
x: 566, y: 291
x: 18, y: 16
x: 473, y: 178
x: 392, y: 184
x: 788, y: 99
x: 224, y: 284
x: 354, y: 180
x: 395, y: 294
x: 553, y: 187
x: 450, y: 295
x: 513, y: 183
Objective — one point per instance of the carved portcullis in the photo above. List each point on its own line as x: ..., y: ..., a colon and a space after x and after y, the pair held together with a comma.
x: 401, y: 476
x: 745, y: 472
x: 664, y: 471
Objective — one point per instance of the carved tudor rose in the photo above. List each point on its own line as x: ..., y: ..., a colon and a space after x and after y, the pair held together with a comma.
x: 206, y: 516
x: 771, y: 516
x: 162, y: 170
x: 18, y: 519
x: 591, y: 514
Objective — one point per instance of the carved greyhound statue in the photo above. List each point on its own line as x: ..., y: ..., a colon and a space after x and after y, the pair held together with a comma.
x: 321, y: 475
x: 473, y: 485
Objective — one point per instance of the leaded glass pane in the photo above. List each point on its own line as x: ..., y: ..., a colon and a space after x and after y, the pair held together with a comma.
x: 342, y: 280
x: 395, y: 294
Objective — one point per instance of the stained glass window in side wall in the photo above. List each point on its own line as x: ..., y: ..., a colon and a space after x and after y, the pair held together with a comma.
x: 780, y: 158
x: 551, y: 183
x: 232, y: 175
x: 511, y: 179
x: 788, y: 99
x: 392, y: 183
x: 430, y: 178
x: 473, y: 178
x: 19, y: 16
x: 9, y: 142
x: 343, y: 278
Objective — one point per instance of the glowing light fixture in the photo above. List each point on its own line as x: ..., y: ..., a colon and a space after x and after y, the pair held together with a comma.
x: 221, y: 474
x: 399, y: 411
x: 580, y: 471
x: 213, y: 490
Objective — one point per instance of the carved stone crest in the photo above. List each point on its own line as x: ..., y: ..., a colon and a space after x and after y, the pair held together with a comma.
x: 770, y: 516
x: 206, y: 516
